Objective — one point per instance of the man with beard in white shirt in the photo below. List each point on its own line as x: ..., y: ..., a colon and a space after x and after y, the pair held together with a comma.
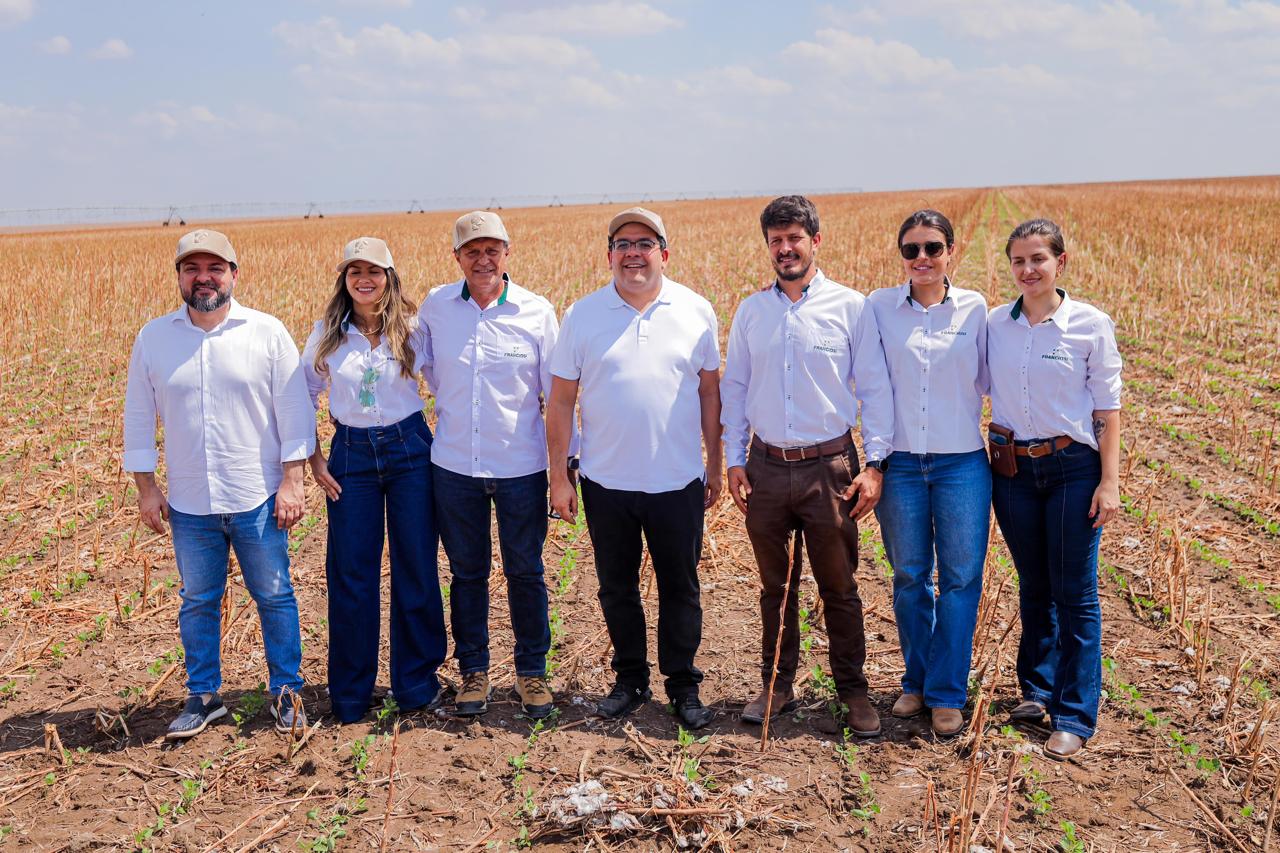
x: 228, y: 388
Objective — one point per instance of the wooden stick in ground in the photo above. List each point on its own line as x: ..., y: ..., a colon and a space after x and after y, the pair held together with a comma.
x: 1008, y: 801
x: 53, y: 743
x: 391, y: 788
x: 793, y: 542
x: 269, y: 831
x: 1208, y: 812
x: 1271, y: 814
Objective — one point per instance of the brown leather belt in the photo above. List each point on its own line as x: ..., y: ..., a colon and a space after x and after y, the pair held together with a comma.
x: 1043, y: 448
x: 803, y: 454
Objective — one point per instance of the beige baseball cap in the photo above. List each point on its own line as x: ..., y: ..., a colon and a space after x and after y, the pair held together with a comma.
x: 478, y: 224
x: 369, y: 249
x: 639, y: 215
x: 204, y: 240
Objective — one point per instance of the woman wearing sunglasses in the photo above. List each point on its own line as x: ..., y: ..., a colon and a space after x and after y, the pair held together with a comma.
x: 935, y: 510
x: 1055, y: 401
x: 369, y: 351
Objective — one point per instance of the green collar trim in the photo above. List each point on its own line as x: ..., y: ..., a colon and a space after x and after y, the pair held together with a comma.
x: 1016, y: 311
x: 502, y: 300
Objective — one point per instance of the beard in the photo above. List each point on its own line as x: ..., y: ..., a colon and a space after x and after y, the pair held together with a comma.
x: 793, y: 276
x: 205, y: 304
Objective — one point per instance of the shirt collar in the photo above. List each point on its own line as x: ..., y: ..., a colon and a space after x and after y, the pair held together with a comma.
x: 906, y: 293
x: 1059, y: 317
x: 615, y: 299
x: 814, y: 284
x: 502, y: 297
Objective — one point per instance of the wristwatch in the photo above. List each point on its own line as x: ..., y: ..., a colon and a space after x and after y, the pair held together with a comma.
x: 880, y: 465
x: 573, y: 463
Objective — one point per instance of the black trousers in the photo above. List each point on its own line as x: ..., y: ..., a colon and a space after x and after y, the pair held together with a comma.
x: 672, y: 526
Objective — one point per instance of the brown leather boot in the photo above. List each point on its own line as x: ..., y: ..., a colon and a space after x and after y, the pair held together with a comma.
x: 908, y: 705
x: 863, y: 721
x: 783, y: 701
x: 947, y: 722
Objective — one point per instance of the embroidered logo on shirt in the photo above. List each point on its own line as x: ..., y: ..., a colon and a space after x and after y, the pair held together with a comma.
x: 515, y: 352
x: 1057, y: 354
x: 953, y: 330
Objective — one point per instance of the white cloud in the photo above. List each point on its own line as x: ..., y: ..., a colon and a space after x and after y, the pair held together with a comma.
x: 883, y: 62
x: 14, y: 12
x: 58, y: 45
x: 1221, y: 17
x: 613, y: 18
x: 732, y: 80
x: 112, y: 49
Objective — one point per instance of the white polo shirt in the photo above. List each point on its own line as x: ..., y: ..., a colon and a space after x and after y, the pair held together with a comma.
x: 937, y: 359
x: 490, y: 373
x: 1047, y: 380
x: 366, y: 387
x: 796, y: 371
x: 638, y: 377
x: 233, y: 402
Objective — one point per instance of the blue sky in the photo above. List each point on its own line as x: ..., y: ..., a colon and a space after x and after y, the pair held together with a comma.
x: 140, y: 102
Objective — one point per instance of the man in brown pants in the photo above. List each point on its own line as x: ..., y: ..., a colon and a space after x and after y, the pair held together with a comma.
x: 802, y: 355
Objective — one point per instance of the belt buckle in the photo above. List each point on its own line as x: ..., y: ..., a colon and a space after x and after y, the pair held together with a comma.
x: 799, y: 454
x: 1036, y: 449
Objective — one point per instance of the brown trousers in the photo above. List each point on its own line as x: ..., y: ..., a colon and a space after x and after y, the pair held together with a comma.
x: 805, y: 496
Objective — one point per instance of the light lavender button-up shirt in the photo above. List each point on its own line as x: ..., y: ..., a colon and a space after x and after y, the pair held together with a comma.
x: 795, y: 372
x: 490, y: 371
x: 233, y: 402
x: 1048, y: 379
x: 937, y: 359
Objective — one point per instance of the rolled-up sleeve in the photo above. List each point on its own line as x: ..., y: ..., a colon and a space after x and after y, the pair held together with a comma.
x: 871, y: 386
x: 295, y: 414
x: 316, y: 383
x: 733, y: 392
x: 1103, y: 366
x: 140, y: 453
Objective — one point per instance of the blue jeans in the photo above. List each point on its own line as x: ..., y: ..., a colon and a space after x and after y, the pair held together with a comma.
x: 935, y: 512
x: 462, y: 511
x: 385, y: 474
x: 1043, y: 513
x: 201, y: 544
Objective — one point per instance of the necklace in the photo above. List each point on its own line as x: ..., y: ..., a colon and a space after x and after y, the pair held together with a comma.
x: 369, y: 333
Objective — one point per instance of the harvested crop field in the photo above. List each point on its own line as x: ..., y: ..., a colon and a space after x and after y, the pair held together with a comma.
x: 1186, y: 758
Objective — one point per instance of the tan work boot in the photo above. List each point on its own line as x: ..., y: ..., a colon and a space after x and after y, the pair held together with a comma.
x: 535, y: 696
x: 908, y: 705
x: 947, y: 722
x: 863, y: 721
x: 783, y: 701
x: 473, y: 697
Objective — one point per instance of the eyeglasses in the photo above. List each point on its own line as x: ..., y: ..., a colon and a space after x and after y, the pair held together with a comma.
x: 911, y: 251
x: 644, y: 247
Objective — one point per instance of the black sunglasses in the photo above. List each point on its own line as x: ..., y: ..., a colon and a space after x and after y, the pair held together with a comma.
x: 911, y: 251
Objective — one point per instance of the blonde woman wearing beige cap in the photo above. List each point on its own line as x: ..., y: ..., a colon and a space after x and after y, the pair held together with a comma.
x: 368, y: 351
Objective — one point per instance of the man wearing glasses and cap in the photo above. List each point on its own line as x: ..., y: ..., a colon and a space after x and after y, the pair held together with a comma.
x: 491, y: 341
x: 227, y: 386
x: 643, y: 351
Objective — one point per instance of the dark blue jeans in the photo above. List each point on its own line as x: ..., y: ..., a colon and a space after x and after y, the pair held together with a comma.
x: 1043, y: 513
x: 462, y: 511
x: 385, y: 474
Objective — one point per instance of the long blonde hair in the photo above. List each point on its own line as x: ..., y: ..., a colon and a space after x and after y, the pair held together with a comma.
x: 393, y: 308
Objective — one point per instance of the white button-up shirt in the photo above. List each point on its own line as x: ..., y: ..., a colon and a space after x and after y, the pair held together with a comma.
x: 233, y: 402
x: 1048, y: 379
x: 490, y: 372
x: 366, y: 387
x: 937, y: 359
x: 639, y: 377
x: 796, y: 371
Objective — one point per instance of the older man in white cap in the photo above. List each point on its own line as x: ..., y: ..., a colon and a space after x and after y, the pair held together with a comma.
x: 226, y: 384
x: 645, y: 353
x: 491, y: 343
